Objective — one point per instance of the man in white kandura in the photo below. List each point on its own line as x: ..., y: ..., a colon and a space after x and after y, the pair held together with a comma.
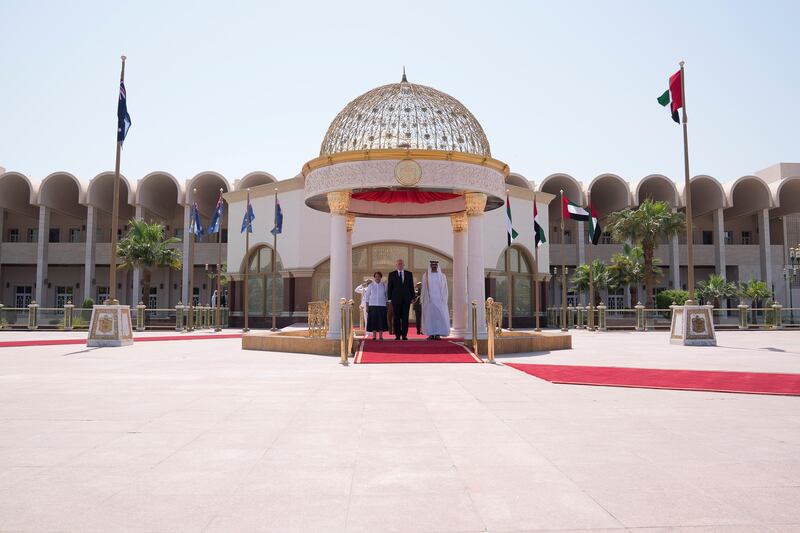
x: 435, y: 316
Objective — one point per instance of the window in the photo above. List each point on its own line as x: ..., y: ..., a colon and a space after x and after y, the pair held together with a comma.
x: 747, y: 237
x: 708, y: 237
x: 33, y: 234
x: 63, y: 295
x: 195, y: 296
x: 23, y: 296
x: 515, y: 276
x: 152, y: 300
x: 55, y: 235
x: 74, y: 234
x: 224, y: 234
x: 102, y: 295
x: 567, y: 237
x: 605, y: 238
x: 179, y: 234
x: 13, y: 235
x: 728, y: 237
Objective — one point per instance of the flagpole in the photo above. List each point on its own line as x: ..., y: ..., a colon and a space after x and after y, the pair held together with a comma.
x: 112, y: 263
x: 536, y: 265
x: 590, y: 320
x: 246, y: 261
x: 219, y: 265
x: 190, y: 318
x: 274, y: 263
x: 563, y: 271
x: 688, y: 195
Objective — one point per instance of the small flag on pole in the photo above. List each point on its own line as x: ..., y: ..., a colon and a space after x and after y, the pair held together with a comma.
x: 512, y: 233
x: 195, y: 227
x: 123, y: 118
x: 594, y: 226
x: 216, y: 219
x: 247, y: 221
x: 537, y: 228
x: 574, y: 211
x: 673, y: 96
x: 278, y: 219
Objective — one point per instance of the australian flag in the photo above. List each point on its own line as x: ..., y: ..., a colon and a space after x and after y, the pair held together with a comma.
x: 123, y: 118
x: 278, y: 219
x: 195, y: 226
x: 216, y: 219
x: 247, y: 221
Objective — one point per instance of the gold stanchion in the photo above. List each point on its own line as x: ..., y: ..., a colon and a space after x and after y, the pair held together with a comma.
x: 350, y: 329
x: 343, y: 332
x: 475, y: 327
x: 490, y: 328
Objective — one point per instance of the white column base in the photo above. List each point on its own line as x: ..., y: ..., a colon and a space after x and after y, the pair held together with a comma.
x: 110, y: 326
x: 692, y: 325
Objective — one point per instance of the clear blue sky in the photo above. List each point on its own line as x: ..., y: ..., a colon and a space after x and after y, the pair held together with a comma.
x: 242, y: 86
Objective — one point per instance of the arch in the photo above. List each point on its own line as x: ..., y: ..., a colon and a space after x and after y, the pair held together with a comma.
x: 656, y: 187
x: 609, y: 193
x: 256, y: 249
x: 786, y: 196
x: 17, y: 193
x: 263, y: 284
x: 707, y: 195
x: 63, y: 193
x: 574, y: 188
x: 155, y: 193
x: 207, y: 175
x: 517, y: 180
x: 254, y: 179
x: 746, y: 195
x: 95, y: 192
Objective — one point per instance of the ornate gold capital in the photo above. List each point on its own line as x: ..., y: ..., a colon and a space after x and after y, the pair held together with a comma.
x: 459, y: 222
x: 350, y: 221
x: 339, y: 202
x: 475, y: 202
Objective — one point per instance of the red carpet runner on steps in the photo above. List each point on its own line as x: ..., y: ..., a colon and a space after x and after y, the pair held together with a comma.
x: 414, y: 351
x: 653, y: 378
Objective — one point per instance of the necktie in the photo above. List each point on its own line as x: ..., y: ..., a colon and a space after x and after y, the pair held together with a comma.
x: 401, y: 277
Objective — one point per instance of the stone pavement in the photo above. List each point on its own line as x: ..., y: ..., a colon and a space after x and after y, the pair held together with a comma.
x: 201, y: 436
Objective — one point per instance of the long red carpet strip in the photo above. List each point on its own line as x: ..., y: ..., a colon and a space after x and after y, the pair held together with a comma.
x: 413, y: 351
x: 651, y: 378
x: 59, y: 342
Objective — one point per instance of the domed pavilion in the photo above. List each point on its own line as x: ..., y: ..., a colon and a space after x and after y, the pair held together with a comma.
x: 407, y: 151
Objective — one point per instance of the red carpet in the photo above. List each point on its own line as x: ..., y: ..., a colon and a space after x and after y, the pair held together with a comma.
x: 417, y: 351
x: 650, y: 378
x: 59, y: 342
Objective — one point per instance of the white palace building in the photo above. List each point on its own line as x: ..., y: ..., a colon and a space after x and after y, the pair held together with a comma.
x: 56, y: 229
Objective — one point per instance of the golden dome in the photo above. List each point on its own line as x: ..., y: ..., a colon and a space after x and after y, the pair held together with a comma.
x: 405, y: 115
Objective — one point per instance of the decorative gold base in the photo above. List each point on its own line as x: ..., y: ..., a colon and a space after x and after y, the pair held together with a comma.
x: 110, y: 326
x: 692, y: 325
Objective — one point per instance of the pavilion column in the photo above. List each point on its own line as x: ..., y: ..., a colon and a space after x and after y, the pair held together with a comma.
x: 764, y: 247
x: 137, y: 272
x: 89, y: 253
x: 338, y: 204
x: 187, y: 211
x: 460, y: 307
x: 581, y: 255
x: 350, y: 222
x: 718, y: 221
x: 476, y: 289
x: 41, y: 255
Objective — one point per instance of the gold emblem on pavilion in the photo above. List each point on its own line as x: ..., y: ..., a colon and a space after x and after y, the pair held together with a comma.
x: 698, y: 324
x: 407, y: 172
x: 105, y: 324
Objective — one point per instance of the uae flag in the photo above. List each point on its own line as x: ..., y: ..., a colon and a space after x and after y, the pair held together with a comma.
x: 537, y: 228
x: 512, y: 233
x: 673, y: 96
x: 594, y: 227
x: 573, y: 211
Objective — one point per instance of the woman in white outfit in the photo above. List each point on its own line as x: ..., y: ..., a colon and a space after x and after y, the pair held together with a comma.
x: 375, y: 296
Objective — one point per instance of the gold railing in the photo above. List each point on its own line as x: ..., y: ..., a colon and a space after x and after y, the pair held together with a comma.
x: 497, y: 316
x: 494, y: 313
x: 318, y: 318
x: 347, y: 333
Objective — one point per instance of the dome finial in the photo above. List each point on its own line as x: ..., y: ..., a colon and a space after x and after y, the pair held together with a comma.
x: 404, y: 80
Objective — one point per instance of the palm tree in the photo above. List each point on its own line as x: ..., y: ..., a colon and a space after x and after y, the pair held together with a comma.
x: 627, y: 269
x: 716, y: 288
x: 646, y: 226
x: 600, y: 278
x: 757, y: 291
x: 146, y: 247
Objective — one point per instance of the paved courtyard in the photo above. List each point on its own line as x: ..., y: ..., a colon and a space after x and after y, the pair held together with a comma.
x: 201, y: 436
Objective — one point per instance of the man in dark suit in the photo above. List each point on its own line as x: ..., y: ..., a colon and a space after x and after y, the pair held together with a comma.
x: 400, y: 292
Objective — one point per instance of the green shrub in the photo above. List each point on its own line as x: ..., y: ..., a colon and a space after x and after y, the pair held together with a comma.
x: 665, y: 298
x: 88, y: 303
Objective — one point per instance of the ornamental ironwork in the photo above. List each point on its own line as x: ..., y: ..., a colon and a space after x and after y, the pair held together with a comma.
x: 405, y: 115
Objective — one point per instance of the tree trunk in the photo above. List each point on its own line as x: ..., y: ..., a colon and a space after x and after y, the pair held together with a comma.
x: 648, y: 274
x: 145, y: 297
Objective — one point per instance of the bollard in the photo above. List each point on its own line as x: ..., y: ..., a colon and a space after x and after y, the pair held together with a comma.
x: 579, y: 317
x: 2, y: 319
x: 225, y: 317
x: 188, y: 321
x: 179, y: 316
x: 571, y: 314
x: 601, y: 317
x: 33, y: 315
x: 742, y: 316
x: 350, y: 328
x: 490, y: 324
x: 209, y: 320
x: 343, y: 332
x: 777, y: 312
x: 68, y: 315
x: 639, y: 316
x: 475, y: 327
x: 140, y: 316
x: 198, y: 314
